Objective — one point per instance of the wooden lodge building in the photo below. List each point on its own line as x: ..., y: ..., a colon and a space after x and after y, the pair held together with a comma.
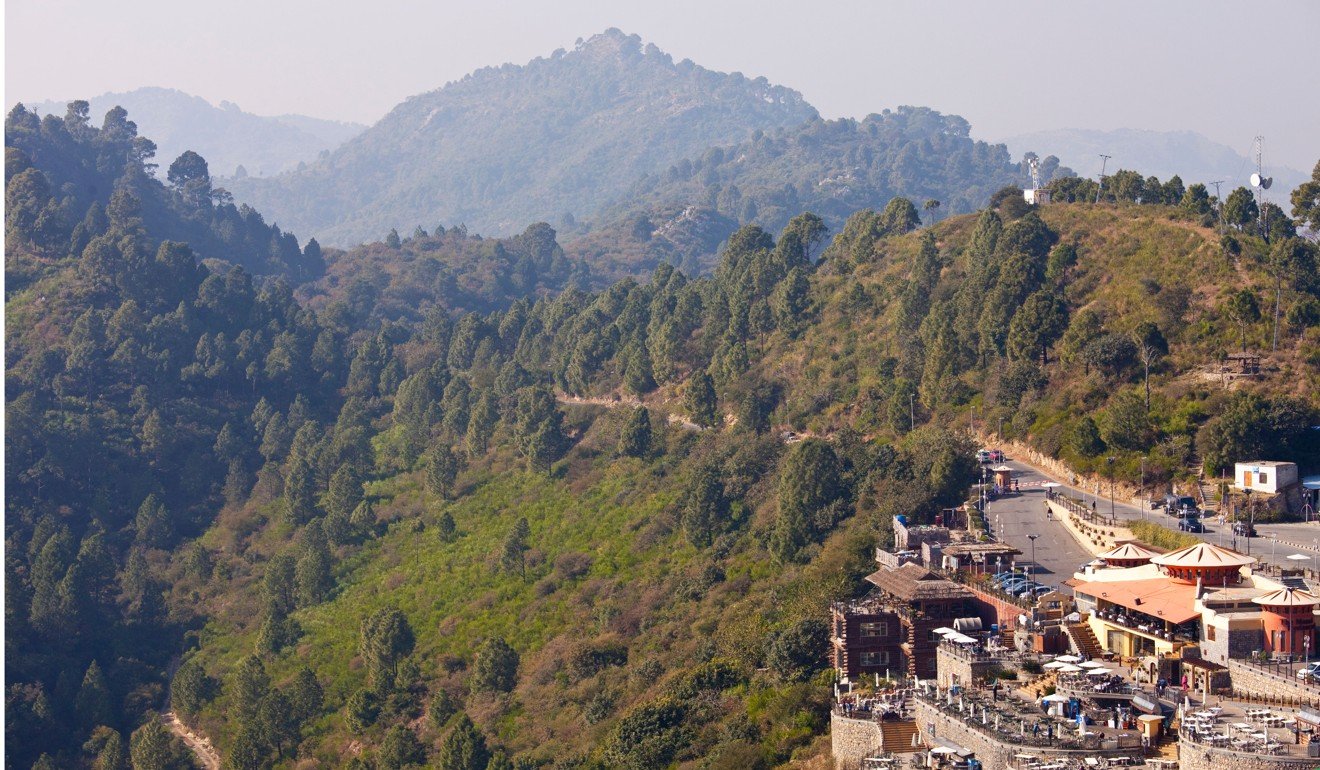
x: 891, y: 631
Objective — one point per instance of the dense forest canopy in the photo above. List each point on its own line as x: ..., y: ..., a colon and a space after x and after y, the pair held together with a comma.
x: 444, y: 500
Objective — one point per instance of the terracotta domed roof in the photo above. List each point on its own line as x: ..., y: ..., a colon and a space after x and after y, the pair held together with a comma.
x: 1203, y: 556
x: 1288, y: 597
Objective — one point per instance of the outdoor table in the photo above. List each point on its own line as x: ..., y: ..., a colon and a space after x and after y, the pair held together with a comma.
x: 1242, y: 726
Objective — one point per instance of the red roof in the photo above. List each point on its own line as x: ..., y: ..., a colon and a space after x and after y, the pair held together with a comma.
x: 1158, y: 597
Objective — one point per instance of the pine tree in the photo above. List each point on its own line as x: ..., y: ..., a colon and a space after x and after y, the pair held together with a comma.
x: 306, y: 696
x: 385, y: 639
x: 481, y: 425
x: 93, y: 704
x: 152, y: 527
x: 441, y: 470
x: 699, y: 400
x: 635, y: 441
x: 464, y: 748
x: 345, y: 491
x: 495, y: 667
x: 150, y: 748
x: 703, y: 506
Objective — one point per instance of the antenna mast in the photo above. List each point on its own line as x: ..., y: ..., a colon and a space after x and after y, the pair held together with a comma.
x: 1104, y: 161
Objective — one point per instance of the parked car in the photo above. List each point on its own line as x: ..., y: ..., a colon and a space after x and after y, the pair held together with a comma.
x: 1013, y: 586
x: 1176, y: 504
x: 1041, y: 590
x: 983, y: 456
x: 1244, y: 529
x: 996, y: 455
x: 1191, y: 524
x: 1004, y: 577
x: 1309, y: 671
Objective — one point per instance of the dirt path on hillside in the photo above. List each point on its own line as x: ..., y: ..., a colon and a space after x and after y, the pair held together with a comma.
x: 197, y: 743
x: 200, y: 745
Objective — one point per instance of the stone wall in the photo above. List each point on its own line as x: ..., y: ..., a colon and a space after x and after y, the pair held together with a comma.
x: 939, y: 728
x: 956, y: 667
x: 852, y: 740
x: 1266, y: 685
x: 1198, y: 756
x: 1096, y: 538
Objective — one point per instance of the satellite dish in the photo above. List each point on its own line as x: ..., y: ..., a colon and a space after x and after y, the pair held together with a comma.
x: 1265, y: 182
x: 1255, y: 180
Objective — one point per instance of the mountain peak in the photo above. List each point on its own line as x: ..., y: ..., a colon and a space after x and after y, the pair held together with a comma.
x: 612, y: 42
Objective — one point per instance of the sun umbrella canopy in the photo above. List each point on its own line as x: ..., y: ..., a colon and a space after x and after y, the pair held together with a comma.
x: 1300, y: 557
x: 1091, y: 664
x: 1070, y: 669
x: 1068, y: 658
x: 1098, y: 672
x: 1054, y: 664
x: 944, y: 630
x: 1056, y: 698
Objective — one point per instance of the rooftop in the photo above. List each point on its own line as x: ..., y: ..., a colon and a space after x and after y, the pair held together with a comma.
x: 1128, y: 551
x: 913, y: 582
x: 1203, y: 555
x: 1157, y: 597
x: 1287, y: 597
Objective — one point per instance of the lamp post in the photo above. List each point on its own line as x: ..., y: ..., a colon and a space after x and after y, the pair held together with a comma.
x: 1109, y: 461
x: 1032, y: 538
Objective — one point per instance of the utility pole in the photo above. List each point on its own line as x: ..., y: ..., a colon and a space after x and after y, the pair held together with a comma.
x: 1104, y: 162
x: 1219, y: 204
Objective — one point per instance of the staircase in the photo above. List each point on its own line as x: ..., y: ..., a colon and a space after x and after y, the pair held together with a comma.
x: 1167, y: 748
x: 1006, y: 638
x: 1197, y: 467
x: 896, y: 737
x: 1040, y: 687
x: 1083, y: 640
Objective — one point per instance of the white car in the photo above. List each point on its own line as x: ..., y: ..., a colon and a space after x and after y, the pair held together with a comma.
x: 1309, y: 671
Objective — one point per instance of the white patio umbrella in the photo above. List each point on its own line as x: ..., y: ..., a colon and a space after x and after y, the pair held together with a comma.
x: 1091, y: 664
x: 1068, y: 658
x: 1070, y: 669
x: 1098, y: 672
x: 1054, y: 664
x: 1055, y: 698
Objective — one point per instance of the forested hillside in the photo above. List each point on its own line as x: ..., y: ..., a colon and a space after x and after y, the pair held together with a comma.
x: 69, y: 183
x: 510, y: 145
x: 832, y: 168
x: 228, y: 137
x: 568, y: 529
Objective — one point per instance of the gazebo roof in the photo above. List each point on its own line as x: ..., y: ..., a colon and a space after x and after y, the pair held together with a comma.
x: 1288, y: 597
x: 1128, y: 552
x: 1203, y: 556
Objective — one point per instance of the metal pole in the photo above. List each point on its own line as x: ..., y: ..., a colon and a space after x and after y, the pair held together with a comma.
x: 1103, y: 164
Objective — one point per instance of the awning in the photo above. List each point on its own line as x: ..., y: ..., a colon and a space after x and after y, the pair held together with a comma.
x: 1142, y: 703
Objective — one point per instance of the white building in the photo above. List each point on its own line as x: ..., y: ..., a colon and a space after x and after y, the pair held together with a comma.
x: 1264, y: 476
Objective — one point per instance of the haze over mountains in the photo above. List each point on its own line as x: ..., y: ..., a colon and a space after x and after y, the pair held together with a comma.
x: 1159, y: 153
x: 510, y: 145
x: 225, y: 135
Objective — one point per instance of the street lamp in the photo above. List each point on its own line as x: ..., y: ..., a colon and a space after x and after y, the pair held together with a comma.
x: 1032, y: 538
x: 1109, y: 461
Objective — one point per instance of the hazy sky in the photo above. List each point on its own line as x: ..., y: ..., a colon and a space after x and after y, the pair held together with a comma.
x: 1229, y: 70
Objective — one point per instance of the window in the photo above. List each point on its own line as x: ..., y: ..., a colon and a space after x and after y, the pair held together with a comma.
x: 875, y: 658
x: 1263, y: 477
x: 875, y: 628
x: 1209, y: 633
